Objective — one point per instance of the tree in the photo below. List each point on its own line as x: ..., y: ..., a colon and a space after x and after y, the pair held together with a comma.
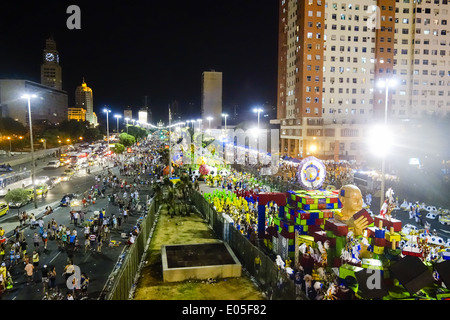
x: 18, y: 195
x: 137, y: 132
x: 118, y: 148
x: 8, y: 126
x: 127, y: 139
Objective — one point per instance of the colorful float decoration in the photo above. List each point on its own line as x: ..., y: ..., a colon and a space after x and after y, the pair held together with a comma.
x: 311, y: 173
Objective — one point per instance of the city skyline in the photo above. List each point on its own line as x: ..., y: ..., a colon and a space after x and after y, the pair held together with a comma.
x: 129, y: 51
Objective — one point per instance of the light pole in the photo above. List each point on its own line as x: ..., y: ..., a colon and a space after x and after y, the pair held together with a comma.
x: 199, y: 124
x: 225, y: 116
x: 117, y: 116
x: 107, y: 124
x: 386, y: 84
x: 9, y: 138
x: 33, y: 168
x: 209, y: 122
x: 127, y: 119
x: 44, y: 143
x: 258, y: 111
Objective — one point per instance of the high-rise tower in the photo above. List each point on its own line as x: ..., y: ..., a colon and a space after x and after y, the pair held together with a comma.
x: 50, y: 68
x: 84, y: 99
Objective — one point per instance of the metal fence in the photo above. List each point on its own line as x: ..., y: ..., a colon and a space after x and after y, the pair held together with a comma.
x: 267, y: 275
x: 121, y: 283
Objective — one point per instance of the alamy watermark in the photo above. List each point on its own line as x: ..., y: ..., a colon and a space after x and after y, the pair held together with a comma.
x: 74, y: 20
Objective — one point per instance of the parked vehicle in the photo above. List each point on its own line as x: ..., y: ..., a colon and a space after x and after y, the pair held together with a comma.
x: 54, y: 164
x: 4, y: 208
x: 65, y: 201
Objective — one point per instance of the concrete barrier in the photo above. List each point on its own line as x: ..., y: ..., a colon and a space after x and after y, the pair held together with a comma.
x: 24, y: 158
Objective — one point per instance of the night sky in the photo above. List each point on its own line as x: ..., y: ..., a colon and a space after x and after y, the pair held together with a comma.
x: 126, y: 50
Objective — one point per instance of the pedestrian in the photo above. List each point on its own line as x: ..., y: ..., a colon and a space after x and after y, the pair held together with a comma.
x: 36, y: 240
x: 45, y: 281
x: 87, y: 244
x: 45, y: 238
x: 32, y: 221
x: 69, y: 269
x: 20, y: 215
x: 63, y: 240
x: 82, y: 217
x: 92, y: 239
x: 23, y: 247
x: 84, y: 282
x: 41, y: 225
x: 35, y: 258
x: 52, y: 278
x: 86, y: 231
x: 75, y: 218
x: 29, y: 270
x: 119, y: 221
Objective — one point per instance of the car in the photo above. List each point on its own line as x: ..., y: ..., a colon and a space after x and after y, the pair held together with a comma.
x: 53, y: 181
x: 4, y: 208
x: 69, y: 172
x: 84, y: 164
x: 41, y: 180
x: 445, y: 220
x: 65, y: 200
x: 41, y: 189
x: 65, y: 176
x: 54, y: 164
x: 431, y: 216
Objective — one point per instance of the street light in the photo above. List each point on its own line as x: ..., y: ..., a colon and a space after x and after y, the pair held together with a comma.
x: 44, y: 143
x: 386, y: 84
x: 9, y: 138
x: 209, y: 122
x: 199, y: 124
x: 33, y: 168
x: 258, y: 111
x: 107, y: 123
x: 117, y: 116
x: 127, y: 119
x: 225, y: 116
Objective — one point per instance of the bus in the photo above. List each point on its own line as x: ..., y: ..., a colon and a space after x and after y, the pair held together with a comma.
x: 78, y: 158
x: 14, y: 180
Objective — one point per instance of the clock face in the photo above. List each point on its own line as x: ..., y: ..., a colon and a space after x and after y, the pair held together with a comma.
x: 49, y: 57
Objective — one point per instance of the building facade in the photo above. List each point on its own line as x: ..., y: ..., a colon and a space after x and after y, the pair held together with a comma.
x: 50, y: 104
x: 78, y: 114
x: 51, y: 73
x: 212, y: 98
x: 84, y: 99
x: 128, y: 113
x: 333, y: 54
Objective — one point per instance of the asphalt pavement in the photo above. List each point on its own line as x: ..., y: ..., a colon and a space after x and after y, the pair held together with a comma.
x: 97, y: 265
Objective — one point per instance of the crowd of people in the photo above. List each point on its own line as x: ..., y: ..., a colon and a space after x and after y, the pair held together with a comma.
x: 120, y: 181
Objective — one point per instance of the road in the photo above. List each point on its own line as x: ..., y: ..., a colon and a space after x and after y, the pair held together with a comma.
x: 98, y: 266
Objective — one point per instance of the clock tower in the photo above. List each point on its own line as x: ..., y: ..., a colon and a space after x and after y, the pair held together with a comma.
x: 50, y: 68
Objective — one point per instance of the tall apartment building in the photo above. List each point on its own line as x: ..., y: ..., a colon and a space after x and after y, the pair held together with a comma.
x: 51, y: 74
x: 212, y: 98
x: 332, y: 55
x: 84, y: 99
